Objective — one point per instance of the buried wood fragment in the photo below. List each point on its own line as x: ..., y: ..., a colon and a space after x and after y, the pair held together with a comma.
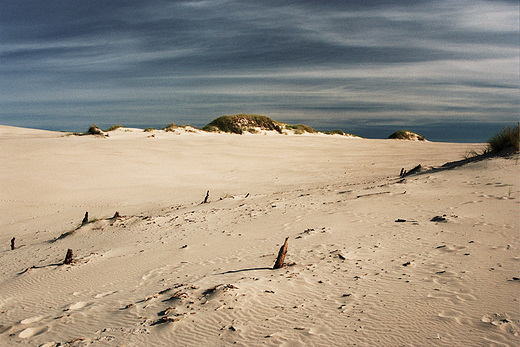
x: 12, y: 243
x: 281, y: 255
x: 441, y: 219
x: 166, y: 320
x: 206, y: 198
x: 68, y: 257
x: 85, y: 219
x: 178, y: 295
x: 416, y: 169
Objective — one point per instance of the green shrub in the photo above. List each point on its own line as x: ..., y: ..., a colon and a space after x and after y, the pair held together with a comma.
x: 149, y: 129
x: 507, y: 138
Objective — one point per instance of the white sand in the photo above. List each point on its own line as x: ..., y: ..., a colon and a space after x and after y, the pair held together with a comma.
x: 356, y: 276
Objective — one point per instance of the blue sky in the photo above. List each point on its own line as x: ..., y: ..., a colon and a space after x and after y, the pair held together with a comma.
x: 73, y: 63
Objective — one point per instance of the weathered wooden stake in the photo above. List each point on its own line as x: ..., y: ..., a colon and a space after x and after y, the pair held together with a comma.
x: 116, y: 215
x: 12, y: 243
x: 402, y: 172
x: 206, y: 198
x: 85, y: 219
x: 281, y: 255
x: 68, y: 257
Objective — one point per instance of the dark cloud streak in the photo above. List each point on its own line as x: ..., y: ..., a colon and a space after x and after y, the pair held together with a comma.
x: 307, y: 59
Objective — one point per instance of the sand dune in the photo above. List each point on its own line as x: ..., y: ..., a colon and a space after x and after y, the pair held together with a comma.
x: 374, y: 259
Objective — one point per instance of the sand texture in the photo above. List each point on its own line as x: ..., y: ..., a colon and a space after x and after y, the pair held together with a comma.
x: 374, y: 259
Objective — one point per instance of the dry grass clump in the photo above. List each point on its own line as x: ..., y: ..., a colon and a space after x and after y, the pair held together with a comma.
x: 507, y: 138
x: 113, y: 127
x: 335, y: 132
x: 406, y: 135
x: 300, y: 128
x: 238, y: 123
x: 94, y: 130
x: 170, y: 127
x: 340, y: 132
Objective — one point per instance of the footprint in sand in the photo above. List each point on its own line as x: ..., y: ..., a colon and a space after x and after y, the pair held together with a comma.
x: 102, y: 295
x: 5, y: 328
x: 31, y: 320
x: 451, y: 315
x: 30, y: 332
x: 77, y: 306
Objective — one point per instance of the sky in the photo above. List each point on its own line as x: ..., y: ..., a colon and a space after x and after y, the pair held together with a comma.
x: 66, y: 64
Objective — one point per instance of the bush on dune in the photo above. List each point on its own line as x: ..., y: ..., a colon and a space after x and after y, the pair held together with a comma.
x: 507, y: 138
x: 406, y: 135
x: 238, y: 123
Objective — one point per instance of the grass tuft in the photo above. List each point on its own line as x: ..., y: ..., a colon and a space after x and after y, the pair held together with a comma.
x: 94, y: 130
x: 170, y: 127
x: 113, y: 127
x: 335, y: 132
x: 507, y: 138
x: 300, y: 128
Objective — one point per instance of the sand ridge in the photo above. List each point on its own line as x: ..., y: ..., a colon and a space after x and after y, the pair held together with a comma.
x: 368, y: 262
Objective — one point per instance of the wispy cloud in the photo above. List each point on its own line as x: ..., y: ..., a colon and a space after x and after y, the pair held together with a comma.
x: 297, y: 60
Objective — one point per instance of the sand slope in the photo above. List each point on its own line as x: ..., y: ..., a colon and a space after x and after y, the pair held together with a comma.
x: 367, y: 265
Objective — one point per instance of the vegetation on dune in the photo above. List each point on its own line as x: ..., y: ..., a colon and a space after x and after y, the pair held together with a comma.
x: 340, y: 132
x: 94, y: 130
x: 508, y: 137
x: 239, y: 122
x: 252, y: 123
x: 300, y: 128
x: 235, y: 124
x: 406, y: 135
x: 335, y: 132
x: 170, y: 127
x: 113, y: 127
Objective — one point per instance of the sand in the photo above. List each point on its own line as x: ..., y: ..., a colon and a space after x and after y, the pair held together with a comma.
x: 373, y: 259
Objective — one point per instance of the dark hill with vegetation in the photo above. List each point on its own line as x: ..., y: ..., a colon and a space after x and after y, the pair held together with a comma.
x: 239, y: 123
x: 406, y: 135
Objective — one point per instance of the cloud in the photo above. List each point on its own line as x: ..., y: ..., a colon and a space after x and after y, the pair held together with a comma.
x: 306, y: 59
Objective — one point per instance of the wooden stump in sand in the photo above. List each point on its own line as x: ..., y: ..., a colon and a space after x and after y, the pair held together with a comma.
x: 12, y: 243
x: 281, y: 255
x: 68, y: 257
x: 206, y: 198
x: 85, y: 219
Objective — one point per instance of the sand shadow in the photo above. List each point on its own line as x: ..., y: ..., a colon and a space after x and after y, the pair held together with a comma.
x: 244, y: 270
x: 507, y: 153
